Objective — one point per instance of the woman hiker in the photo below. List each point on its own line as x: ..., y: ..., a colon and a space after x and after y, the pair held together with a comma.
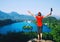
x: 39, y: 19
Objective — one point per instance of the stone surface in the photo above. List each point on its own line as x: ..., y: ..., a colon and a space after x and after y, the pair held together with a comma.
x: 35, y: 40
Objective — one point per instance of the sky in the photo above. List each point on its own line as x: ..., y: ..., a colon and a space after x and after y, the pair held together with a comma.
x: 22, y: 6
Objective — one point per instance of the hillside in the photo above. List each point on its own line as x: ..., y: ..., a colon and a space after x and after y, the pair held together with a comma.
x: 14, y: 16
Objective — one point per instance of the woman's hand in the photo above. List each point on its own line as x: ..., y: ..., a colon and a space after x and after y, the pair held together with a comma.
x: 31, y: 13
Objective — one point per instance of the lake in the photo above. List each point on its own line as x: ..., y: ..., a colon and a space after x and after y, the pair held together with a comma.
x: 18, y: 27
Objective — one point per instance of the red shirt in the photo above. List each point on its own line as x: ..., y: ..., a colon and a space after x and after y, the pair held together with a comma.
x: 39, y: 20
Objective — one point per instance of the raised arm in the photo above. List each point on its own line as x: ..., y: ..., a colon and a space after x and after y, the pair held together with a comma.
x: 31, y: 14
x: 47, y: 15
x: 50, y: 13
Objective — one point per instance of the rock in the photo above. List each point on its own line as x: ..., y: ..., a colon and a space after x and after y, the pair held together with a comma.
x: 48, y: 41
x: 35, y: 40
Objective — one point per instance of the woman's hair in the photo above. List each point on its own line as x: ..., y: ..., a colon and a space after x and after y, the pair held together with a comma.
x: 39, y: 13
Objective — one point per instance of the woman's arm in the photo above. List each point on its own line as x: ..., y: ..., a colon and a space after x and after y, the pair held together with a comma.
x: 31, y: 14
x: 47, y: 15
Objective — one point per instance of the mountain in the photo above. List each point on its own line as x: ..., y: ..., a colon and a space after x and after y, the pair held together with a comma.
x: 50, y: 19
x: 17, y: 16
x: 27, y: 17
x: 14, y: 16
x: 58, y: 17
x: 4, y: 15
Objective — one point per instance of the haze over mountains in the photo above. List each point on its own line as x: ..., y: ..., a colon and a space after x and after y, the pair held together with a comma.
x: 15, y: 16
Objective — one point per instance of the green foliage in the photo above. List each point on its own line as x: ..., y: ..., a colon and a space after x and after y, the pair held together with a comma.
x: 47, y: 36
x: 54, y: 25
x: 27, y: 27
x: 17, y: 37
x: 55, y: 31
x: 6, y: 22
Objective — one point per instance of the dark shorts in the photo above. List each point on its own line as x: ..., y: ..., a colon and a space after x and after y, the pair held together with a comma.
x: 39, y: 29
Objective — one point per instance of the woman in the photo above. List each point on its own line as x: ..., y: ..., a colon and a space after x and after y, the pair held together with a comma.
x: 39, y: 19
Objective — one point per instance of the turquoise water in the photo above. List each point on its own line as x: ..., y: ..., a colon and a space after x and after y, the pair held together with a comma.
x: 18, y: 27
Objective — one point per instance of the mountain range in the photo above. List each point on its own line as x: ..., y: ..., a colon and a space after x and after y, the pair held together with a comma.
x: 14, y: 16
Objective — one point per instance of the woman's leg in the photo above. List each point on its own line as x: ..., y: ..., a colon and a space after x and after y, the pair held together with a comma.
x: 40, y: 36
x: 39, y: 33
